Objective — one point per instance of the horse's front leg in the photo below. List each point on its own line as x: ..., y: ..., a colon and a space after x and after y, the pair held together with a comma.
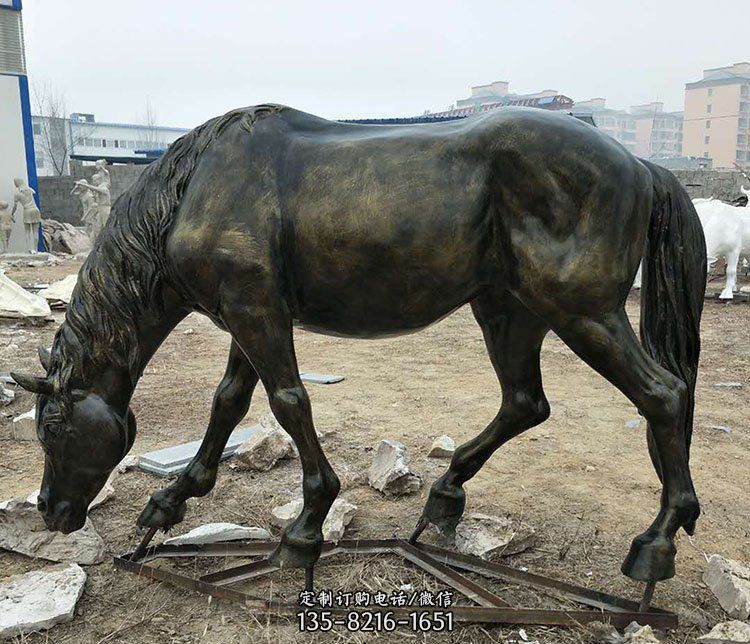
x: 231, y: 402
x: 265, y: 334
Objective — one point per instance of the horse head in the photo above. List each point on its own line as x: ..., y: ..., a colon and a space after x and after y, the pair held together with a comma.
x: 83, y: 439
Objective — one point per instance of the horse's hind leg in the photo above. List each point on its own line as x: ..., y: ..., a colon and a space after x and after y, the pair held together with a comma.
x: 264, y: 332
x: 733, y: 258
x: 609, y: 345
x: 231, y: 402
x: 513, y: 336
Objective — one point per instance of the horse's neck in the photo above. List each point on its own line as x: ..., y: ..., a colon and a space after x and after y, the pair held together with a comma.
x: 116, y: 362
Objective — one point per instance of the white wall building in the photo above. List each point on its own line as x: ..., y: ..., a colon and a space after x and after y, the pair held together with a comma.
x: 83, y: 138
x: 16, y: 144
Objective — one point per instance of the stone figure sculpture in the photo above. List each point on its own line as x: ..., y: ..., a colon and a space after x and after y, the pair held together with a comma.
x: 101, y: 169
x: 90, y: 210
x: 534, y: 217
x: 6, y: 226
x: 727, y: 231
x: 100, y: 187
x: 24, y: 196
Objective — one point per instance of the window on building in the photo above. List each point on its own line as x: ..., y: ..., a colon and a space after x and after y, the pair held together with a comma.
x: 117, y: 143
x: 708, y: 108
x: 743, y: 123
x: 37, y: 128
x: 104, y: 143
x: 744, y: 90
x: 740, y: 155
x: 710, y: 91
x: 740, y: 139
x: 708, y: 125
x: 707, y: 140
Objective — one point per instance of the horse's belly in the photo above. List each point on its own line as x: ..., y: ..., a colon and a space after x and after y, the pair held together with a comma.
x: 368, y: 311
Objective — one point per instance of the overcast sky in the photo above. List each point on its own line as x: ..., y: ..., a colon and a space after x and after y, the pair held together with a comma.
x: 192, y: 60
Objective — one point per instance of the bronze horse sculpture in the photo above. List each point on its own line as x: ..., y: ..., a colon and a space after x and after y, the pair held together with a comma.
x: 535, y: 218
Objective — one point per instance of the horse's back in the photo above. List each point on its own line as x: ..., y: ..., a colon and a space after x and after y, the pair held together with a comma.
x: 371, y: 230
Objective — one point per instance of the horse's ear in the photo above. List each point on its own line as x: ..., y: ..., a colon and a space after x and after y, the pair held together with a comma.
x: 44, y: 356
x: 34, y: 384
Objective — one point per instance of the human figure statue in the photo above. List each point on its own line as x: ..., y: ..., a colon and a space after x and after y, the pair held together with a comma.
x: 99, y: 186
x: 101, y: 168
x: 24, y: 196
x: 6, y: 226
x: 88, y: 204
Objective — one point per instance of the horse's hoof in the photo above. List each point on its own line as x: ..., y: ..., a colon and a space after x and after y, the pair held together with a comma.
x: 159, y: 513
x: 444, y: 508
x: 293, y: 552
x: 650, y: 558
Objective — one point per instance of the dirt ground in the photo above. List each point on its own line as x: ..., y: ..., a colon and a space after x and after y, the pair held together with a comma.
x: 582, y: 479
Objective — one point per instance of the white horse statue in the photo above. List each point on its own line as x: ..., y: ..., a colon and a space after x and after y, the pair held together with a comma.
x: 727, y: 231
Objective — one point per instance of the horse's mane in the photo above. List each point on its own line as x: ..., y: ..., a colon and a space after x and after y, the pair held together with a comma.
x: 122, y: 279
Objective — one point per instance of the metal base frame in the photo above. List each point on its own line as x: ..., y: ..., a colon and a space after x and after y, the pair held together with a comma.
x: 439, y: 562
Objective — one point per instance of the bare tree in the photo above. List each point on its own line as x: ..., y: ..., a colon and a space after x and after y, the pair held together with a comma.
x: 56, y: 135
x: 151, y: 132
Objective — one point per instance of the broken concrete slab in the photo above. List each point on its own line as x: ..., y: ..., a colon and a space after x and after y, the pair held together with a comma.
x: 16, y: 302
x: 23, y: 427
x: 729, y: 580
x: 7, y: 396
x: 637, y: 634
x: 727, y: 385
x: 59, y: 293
x: 442, y: 447
x: 484, y: 535
x: 320, y: 378
x: 22, y: 530
x: 266, y: 447
x: 390, y: 472
x: 720, y: 428
x: 40, y: 599
x: 732, y: 632
x: 334, y: 526
x: 128, y: 463
x: 62, y: 237
x: 170, y: 461
x: 633, y: 423
x: 217, y: 532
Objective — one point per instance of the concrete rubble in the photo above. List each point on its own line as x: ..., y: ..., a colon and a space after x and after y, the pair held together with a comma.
x: 216, y: 532
x: 128, y: 463
x: 59, y: 293
x: 61, y: 237
x: 7, y: 396
x: 483, y: 535
x: 727, y: 385
x: 729, y: 580
x: 39, y: 599
x: 16, y: 302
x: 732, y: 632
x: 22, y: 530
x: 334, y: 526
x: 442, y: 447
x: 23, y: 427
x: 265, y: 447
x: 390, y: 472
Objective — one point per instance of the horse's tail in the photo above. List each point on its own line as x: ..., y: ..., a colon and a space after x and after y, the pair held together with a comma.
x: 674, y: 285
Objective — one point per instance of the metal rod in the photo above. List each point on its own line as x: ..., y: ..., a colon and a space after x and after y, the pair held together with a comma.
x: 648, y: 595
x: 141, y: 549
x: 418, y: 530
x: 309, y: 578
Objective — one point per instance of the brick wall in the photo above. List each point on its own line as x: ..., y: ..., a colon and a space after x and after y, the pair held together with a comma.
x: 55, y: 199
x: 722, y: 184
